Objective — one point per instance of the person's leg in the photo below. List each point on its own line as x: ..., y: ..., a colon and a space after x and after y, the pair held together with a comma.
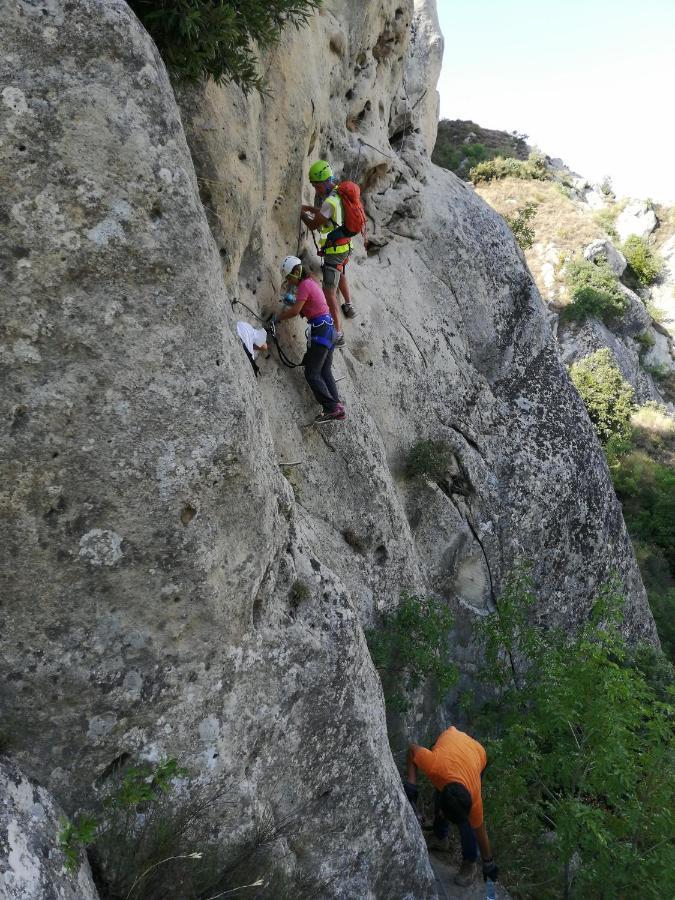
x: 327, y: 375
x: 441, y: 827
x: 331, y: 279
x: 344, y: 288
x: 313, y: 363
x: 469, y: 843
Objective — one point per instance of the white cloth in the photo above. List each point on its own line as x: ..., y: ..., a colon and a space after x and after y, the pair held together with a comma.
x: 251, y: 337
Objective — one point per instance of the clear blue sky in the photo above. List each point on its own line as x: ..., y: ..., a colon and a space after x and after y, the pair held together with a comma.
x: 592, y: 82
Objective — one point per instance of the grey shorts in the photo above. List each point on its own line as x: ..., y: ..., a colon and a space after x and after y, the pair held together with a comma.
x: 331, y: 274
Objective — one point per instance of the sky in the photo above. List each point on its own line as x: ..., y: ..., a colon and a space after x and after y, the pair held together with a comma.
x: 590, y: 81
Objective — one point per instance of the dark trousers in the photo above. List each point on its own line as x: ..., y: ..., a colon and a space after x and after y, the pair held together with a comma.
x: 468, y: 838
x: 318, y: 372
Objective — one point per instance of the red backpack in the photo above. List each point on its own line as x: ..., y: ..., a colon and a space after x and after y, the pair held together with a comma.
x: 354, y: 216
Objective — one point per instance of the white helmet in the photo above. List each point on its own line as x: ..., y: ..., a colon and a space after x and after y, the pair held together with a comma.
x: 288, y: 264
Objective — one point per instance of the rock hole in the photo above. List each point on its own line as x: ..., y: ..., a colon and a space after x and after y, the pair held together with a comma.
x: 22, y: 148
x: 381, y: 555
x: 217, y: 362
x: 242, y: 155
x: 156, y: 211
x: 118, y: 763
x: 55, y: 454
x: 223, y: 251
x: 349, y: 95
x: 188, y: 513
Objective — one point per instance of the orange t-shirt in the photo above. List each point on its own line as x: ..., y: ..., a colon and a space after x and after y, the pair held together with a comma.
x: 456, y: 757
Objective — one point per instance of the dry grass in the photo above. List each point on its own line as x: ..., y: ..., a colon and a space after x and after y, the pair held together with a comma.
x: 655, y: 432
x: 560, y: 227
x: 666, y: 228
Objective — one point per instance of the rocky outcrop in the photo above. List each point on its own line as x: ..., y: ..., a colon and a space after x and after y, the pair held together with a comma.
x: 636, y: 218
x: 32, y: 865
x: 663, y: 292
x: 191, y: 565
x: 604, y: 249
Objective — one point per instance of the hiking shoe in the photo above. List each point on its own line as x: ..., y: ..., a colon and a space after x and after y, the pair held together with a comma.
x: 339, y: 339
x: 348, y: 311
x: 439, y: 844
x: 325, y: 417
x: 467, y: 873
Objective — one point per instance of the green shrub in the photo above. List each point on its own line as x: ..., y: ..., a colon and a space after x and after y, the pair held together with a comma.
x: 645, y: 262
x: 520, y: 225
x: 645, y: 340
x: 429, y: 459
x: 476, y: 153
x: 533, y: 168
x: 658, y: 315
x: 594, y: 291
x: 411, y: 648
x: 608, y: 398
x: 606, y: 219
x: 219, y: 38
x: 580, y: 785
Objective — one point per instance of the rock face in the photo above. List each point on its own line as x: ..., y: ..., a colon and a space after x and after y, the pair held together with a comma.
x: 605, y: 249
x: 191, y: 566
x: 637, y: 218
x: 32, y: 866
x: 663, y: 292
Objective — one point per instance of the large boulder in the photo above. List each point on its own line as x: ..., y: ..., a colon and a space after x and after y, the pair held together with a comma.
x: 604, y: 249
x: 32, y: 863
x: 636, y: 218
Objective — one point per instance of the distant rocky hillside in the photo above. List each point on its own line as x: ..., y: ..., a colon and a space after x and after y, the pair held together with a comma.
x: 460, y: 144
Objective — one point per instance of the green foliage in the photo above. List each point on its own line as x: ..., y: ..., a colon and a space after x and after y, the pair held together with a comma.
x: 646, y: 489
x: 429, y: 459
x: 580, y: 786
x: 645, y: 262
x: 645, y: 340
x: 411, y: 648
x: 219, y: 38
x: 658, y: 315
x: 606, y: 219
x: 609, y: 400
x: 520, y: 225
x: 500, y: 167
x: 594, y: 290
x: 74, y: 837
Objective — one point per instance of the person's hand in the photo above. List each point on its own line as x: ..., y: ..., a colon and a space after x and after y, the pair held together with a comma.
x: 490, y: 870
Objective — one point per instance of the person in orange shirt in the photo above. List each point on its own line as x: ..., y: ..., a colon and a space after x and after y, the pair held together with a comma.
x: 455, y: 766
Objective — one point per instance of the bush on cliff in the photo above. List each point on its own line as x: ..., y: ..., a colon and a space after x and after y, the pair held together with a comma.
x: 608, y: 398
x: 219, y: 38
x: 491, y: 170
x: 594, y: 290
x: 644, y: 261
x: 579, y: 788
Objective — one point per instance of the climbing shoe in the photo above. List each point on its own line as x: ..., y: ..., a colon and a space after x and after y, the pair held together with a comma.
x: 348, y: 311
x: 339, y: 339
x: 325, y: 418
x: 467, y: 873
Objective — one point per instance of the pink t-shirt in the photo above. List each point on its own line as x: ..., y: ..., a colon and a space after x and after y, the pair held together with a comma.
x: 315, y: 301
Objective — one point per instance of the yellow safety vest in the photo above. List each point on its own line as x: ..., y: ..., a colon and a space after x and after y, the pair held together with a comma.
x: 338, y: 217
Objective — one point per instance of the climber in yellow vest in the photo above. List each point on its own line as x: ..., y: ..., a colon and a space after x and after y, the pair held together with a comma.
x: 335, y: 253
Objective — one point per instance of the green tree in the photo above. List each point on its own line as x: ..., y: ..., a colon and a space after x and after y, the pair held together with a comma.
x: 219, y: 38
x: 608, y: 398
x: 580, y: 783
x: 520, y: 225
x: 410, y: 648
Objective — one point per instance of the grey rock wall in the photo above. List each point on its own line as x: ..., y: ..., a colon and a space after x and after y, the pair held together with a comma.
x: 187, y: 568
x: 32, y: 865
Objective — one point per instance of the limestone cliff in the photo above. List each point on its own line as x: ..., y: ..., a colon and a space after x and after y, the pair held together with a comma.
x: 161, y: 506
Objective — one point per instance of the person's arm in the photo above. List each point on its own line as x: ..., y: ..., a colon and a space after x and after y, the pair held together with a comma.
x: 412, y: 768
x: 289, y: 312
x: 490, y: 869
x: 312, y: 217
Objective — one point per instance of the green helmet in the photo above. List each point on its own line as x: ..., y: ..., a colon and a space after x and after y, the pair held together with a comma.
x: 320, y: 171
